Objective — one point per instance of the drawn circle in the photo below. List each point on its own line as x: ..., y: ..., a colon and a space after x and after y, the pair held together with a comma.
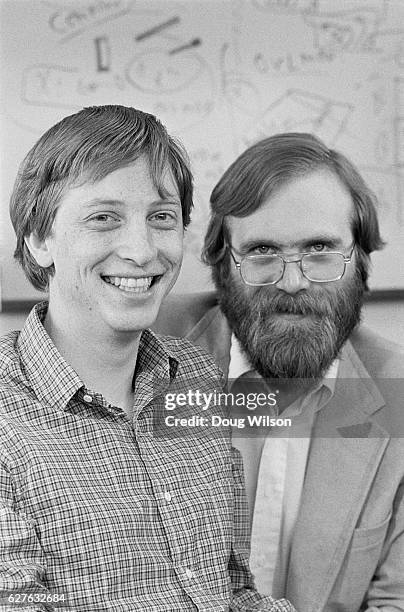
x: 155, y: 71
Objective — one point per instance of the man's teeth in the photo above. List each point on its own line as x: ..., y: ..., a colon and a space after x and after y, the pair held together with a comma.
x: 134, y: 285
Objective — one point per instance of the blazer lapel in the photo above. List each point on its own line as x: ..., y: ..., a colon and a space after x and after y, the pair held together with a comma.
x: 213, y: 333
x: 345, y: 452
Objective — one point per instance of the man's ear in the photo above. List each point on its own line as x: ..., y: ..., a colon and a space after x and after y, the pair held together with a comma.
x: 39, y: 250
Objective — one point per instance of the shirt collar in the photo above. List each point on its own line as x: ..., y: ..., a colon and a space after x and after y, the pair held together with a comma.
x: 154, y: 355
x: 55, y: 382
x: 52, y: 379
x: 239, y: 362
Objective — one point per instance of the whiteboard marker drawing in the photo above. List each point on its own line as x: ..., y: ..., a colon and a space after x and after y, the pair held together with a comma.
x: 157, y: 29
x: 193, y: 43
x: 103, y: 53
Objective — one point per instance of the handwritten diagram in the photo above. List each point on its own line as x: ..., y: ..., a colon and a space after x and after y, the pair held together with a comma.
x: 49, y: 85
x: 164, y: 73
x: 306, y: 112
x: 352, y: 31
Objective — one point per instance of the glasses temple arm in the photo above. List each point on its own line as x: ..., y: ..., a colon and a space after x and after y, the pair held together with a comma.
x: 237, y: 263
x: 347, y: 258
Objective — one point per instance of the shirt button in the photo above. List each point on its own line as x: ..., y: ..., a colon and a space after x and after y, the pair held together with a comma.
x: 167, y: 496
x: 189, y: 573
x: 87, y: 398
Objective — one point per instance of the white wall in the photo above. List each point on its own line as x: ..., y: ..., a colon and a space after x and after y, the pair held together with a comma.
x: 387, y: 319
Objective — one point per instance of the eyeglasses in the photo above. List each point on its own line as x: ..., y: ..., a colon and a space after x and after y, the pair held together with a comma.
x: 262, y: 270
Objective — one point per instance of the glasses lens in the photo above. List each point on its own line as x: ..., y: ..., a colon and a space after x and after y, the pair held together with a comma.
x: 261, y: 269
x: 323, y: 266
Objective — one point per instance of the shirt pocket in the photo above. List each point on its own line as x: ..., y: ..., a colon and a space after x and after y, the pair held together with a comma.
x: 358, y: 567
x: 368, y: 537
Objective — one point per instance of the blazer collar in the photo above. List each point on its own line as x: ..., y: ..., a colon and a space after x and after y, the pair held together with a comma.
x: 213, y: 333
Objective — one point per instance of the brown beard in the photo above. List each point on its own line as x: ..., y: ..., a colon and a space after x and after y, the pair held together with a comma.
x: 301, y: 348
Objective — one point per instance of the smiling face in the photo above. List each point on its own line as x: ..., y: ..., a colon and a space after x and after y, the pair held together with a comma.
x: 296, y: 327
x: 116, y: 247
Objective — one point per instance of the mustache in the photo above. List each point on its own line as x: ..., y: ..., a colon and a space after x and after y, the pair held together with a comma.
x: 301, y: 304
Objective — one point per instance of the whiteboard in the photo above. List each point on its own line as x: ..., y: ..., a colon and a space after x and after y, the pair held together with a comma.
x: 220, y: 75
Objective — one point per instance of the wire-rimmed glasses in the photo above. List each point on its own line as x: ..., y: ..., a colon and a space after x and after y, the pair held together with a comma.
x: 268, y: 269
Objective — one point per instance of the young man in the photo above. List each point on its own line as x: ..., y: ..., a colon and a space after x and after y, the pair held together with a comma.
x: 97, y: 510
x: 291, y: 231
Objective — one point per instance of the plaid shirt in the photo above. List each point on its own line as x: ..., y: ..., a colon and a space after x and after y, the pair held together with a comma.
x: 96, y: 509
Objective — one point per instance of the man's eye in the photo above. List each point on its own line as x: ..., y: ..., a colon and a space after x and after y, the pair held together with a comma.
x: 261, y: 249
x: 318, y: 248
x: 103, y: 218
x: 164, y: 219
x: 161, y: 216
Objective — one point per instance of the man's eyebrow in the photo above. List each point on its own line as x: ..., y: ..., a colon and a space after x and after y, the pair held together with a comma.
x: 168, y: 200
x: 102, y: 202
x: 111, y: 202
x: 328, y: 239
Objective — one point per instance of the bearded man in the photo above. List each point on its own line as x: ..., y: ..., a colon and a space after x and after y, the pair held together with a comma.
x: 291, y: 231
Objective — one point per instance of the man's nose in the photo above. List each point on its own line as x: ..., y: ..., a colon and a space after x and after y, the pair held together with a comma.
x: 136, y: 243
x: 293, y: 280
